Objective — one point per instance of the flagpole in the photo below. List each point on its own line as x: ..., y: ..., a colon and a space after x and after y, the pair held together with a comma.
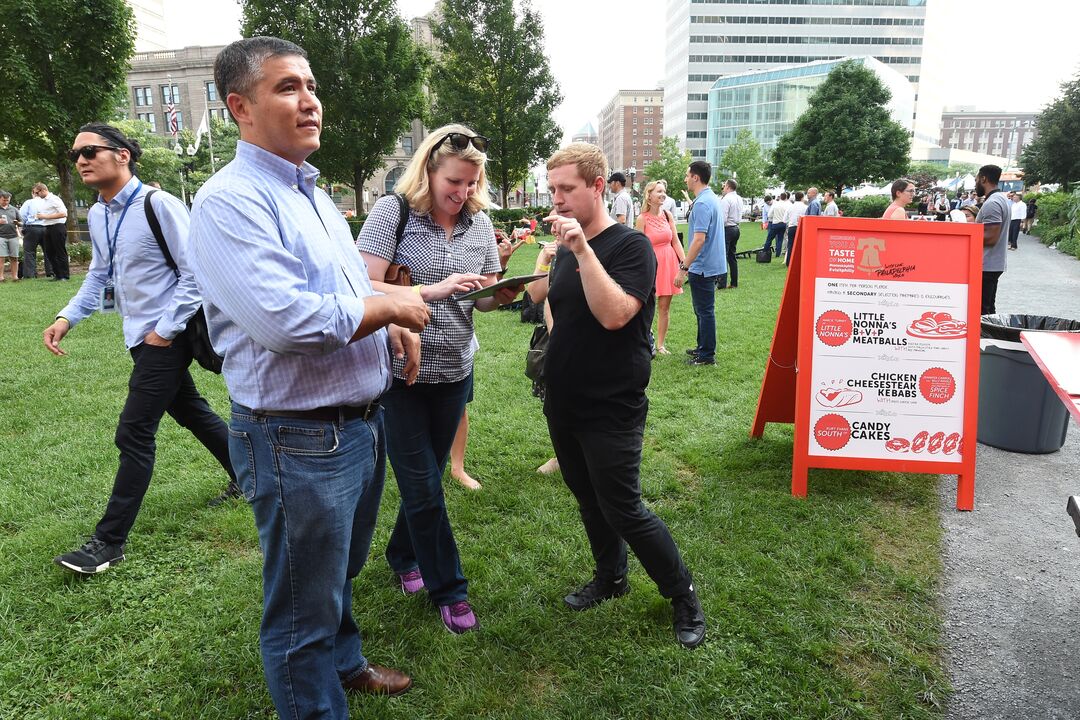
x: 210, y: 135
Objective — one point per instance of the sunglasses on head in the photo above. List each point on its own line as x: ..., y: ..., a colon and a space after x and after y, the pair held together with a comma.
x: 460, y: 141
x: 88, y: 152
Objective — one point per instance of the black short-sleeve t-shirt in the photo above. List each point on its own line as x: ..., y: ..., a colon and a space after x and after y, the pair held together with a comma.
x: 596, y: 378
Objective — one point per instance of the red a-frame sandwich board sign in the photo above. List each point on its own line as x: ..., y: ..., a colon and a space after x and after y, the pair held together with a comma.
x: 875, y: 356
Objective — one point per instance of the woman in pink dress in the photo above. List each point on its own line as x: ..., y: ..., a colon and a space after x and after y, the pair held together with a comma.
x: 659, y: 226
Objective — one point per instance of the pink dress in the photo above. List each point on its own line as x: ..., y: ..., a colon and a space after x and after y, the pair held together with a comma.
x: 658, y: 230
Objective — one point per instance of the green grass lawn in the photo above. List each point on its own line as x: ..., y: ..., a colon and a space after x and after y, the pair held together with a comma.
x: 824, y: 607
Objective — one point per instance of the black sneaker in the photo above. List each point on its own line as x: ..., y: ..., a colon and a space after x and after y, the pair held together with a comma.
x: 93, y: 557
x: 697, y: 360
x: 692, y: 351
x: 232, y: 491
x: 689, y: 619
x: 595, y: 592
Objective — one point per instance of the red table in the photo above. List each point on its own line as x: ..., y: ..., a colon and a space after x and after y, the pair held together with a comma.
x: 1058, y: 356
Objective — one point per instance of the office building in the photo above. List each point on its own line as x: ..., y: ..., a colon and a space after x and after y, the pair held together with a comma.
x: 149, y: 25
x: 768, y: 102
x: 586, y: 134
x: 995, y: 133
x: 631, y: 126
x: 710, y: 39
x: 183, y: 78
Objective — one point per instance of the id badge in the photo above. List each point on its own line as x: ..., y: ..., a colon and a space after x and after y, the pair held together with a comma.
x: 107, y: 302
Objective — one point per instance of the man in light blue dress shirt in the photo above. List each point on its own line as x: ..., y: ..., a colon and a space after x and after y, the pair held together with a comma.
x: 307, y: 357
x: 129, y: 275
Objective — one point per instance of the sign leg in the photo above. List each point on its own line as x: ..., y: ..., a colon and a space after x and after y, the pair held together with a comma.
x: 798, y: 478
x: 965, y: 491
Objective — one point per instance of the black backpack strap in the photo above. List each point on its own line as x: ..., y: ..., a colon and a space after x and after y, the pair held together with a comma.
x: 155, y: 228
x: 403, y: 212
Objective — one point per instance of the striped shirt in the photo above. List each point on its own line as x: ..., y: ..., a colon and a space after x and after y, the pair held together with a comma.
x: 446, y: 353
x: 284, y: 288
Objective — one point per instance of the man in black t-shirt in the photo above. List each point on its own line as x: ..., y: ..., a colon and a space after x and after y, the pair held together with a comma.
x: 601, y: 292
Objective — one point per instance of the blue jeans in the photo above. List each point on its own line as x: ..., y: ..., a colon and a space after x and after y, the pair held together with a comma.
x: 421, y: 421
x: 703, y: 296
x: 314, y: 487
x: 776, y: 230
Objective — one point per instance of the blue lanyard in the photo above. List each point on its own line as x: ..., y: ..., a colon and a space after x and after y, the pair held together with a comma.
x: 112, y: 240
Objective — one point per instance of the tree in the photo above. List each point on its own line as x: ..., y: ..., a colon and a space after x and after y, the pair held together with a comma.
x: 745, y: 161
x: 491, y: 74
x: 1054, y: 156
x: 670, y: 166
x: 926, y: 175
x: 370, y: 75
x: 846, y: 136
x: 56, y: 81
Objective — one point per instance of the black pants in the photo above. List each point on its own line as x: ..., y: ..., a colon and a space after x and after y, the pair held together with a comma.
x: 989, y: 291
x: 601, y: 468
x: 160, y: 383
x: 56, y: 252
x: 731, y: 241
x: 1014, y: 232
x: 33, y: 238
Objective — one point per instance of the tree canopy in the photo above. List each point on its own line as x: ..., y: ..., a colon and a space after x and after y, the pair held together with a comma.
x: 491, y: 74
x: 744, y: 161
x: 846, y: 136
x: 369, y: 72
x: 671, y: 167
x: 65, y: 64
x: 1054, y: 156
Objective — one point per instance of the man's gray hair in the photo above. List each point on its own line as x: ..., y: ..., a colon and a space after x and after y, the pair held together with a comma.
x: 238, y: 68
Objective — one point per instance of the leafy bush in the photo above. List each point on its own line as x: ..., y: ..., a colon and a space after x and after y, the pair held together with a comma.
x: 1053, y: 212
x: 79, y: 252
x: 872, y: 206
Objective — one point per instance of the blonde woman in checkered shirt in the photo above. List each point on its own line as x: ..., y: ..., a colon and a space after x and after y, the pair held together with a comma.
x: 448, y: 246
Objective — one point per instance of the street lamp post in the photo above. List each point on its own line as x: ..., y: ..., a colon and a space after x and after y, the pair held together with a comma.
x: 185, y: 167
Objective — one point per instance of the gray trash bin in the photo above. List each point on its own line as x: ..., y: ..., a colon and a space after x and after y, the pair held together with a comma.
x: 1018, y: 410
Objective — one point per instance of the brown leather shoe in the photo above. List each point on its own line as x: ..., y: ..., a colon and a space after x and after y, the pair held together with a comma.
x: 378, y: 680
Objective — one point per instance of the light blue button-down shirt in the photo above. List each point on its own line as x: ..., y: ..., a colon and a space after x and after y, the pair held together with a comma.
x: 706, y: 217
x: 284, y: 288
x: 149, y: 294
x: 29, y: 210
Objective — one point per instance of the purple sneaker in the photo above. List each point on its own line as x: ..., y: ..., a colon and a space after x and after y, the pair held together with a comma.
x: 459, y: 617
x: 412, y: 582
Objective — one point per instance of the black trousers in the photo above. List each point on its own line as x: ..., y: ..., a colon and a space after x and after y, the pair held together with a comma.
x: 160, y: 383
x: 56, y: 252
x: 731, y: 241
x: 989, y: 291
x: 1014, y: 232
x: 33, y: 238
x: 601, y: 468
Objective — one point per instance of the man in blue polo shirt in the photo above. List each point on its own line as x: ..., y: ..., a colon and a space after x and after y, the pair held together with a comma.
x: 705, y: 260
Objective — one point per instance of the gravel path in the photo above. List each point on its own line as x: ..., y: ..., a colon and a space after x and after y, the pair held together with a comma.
x: 1012, y: 567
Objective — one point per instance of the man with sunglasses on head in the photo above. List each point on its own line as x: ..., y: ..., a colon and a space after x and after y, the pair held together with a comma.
x: 130, y: 276
x: 307, y: 360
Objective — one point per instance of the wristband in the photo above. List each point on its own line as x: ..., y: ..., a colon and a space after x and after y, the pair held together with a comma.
x: 543, y: 268
x: 417, y: 289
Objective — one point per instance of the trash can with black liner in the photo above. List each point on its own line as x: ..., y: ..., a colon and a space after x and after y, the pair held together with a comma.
x: 1018, y: 410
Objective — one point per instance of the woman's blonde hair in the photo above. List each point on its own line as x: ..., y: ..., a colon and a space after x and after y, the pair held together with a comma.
x: 647, y: 192
x: 414, y: 184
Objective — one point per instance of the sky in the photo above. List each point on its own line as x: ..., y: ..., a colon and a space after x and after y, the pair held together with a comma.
x: 993, y: 54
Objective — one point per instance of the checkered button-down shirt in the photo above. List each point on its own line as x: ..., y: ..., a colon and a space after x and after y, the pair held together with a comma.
x: 446, y: 353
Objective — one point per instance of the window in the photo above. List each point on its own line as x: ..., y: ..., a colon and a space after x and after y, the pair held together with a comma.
x: 391, y: 179
x: 179, y: 121
x: 211, y: 92
x: 635, y: 121
x: 648, y: 111
x: 170, y: 94
x: 635, y: 131
x: 148, y: 118
x: 406, y: 144
x: 143, y: 97
x: 221, y: 114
